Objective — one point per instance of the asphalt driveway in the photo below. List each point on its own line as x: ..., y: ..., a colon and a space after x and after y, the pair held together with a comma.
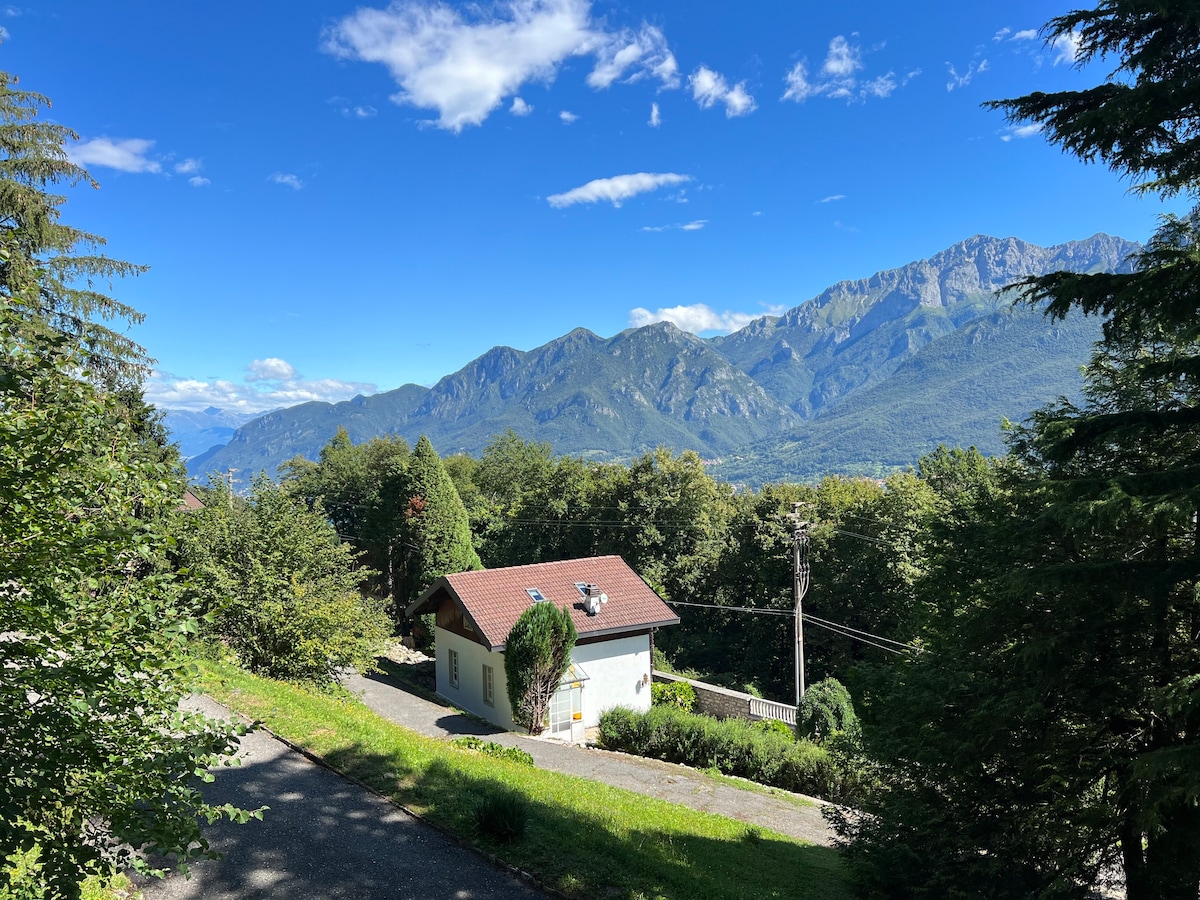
x: 324, y: 837
x: 788, y: 814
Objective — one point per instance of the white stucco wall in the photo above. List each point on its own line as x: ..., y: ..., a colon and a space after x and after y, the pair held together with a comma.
x: 615, y: 669
x: 469, y: 693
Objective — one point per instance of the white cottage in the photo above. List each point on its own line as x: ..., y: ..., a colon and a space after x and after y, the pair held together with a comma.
x: 615, y: 614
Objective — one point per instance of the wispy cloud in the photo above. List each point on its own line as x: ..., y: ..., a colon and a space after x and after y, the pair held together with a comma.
x: 568, y: 117
x: 1066, y: 48
x: 353, y: 110
x: 832, y: 198
x: 286, y: 179
x: 192, y: 167
x: 124, y: 155
x: 269, y: 384
x: 616, y: 190
x: 839, y: 78
x: 1025, y: 34
x: 684, y: 226
x: 699, y: 318
x: 710, y: 88
x: 631, y: 56
x: 655, y: 116
x: 1018, y: 132
x: 520, y: 107
x: 464, y: 60
x: 976, y: 67
x: 270, y: 369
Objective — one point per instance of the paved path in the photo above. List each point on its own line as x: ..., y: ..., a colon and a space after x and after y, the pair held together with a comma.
x: 324, y: 837
x: 667, y: 781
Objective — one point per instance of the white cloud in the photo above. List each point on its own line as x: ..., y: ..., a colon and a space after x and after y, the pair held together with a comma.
x: 168, y: 391
x: 361, y: 112
x: 684, y: 226
x: 270, y: 369
x: 1026, y: 34
x: 188, y: 166
x: 640, y: 54
x: 698, y: 318
x: 4, y: 35
x: 881, y: 86
x: 126, y: 155
x: 616, y: 190
x: 833, y: 198
x: 655, y: 116
x: 1021, y: 131
x: 199, y: 181
x: 839, y: 78
x: 1066, y: 48
x: 520, y: 107
x: 286, y: 179
x: 464, y: 69
x: 710, y: 88
x: 842, y: 60
x: 977, y: 67
x: 1002, y: 33
x: 568, y: 117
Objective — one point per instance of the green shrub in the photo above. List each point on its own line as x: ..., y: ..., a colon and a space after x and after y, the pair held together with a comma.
x: 731, y: 746
x: 827, y: 710
x: 491, y: 748
x: 501, y: 816
x: 774, y: 726
x: 673, y: 693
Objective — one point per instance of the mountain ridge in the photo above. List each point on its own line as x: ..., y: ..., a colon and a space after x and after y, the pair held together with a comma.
x: 737, y: 395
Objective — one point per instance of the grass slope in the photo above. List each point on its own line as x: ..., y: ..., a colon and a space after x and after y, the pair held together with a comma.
x: 584, y: 838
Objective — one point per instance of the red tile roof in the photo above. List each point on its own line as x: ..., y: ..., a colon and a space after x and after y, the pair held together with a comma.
x: 190, y: 501
x: 493, y: 599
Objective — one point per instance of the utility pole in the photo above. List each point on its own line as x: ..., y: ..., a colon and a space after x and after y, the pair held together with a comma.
x: 801, y: 573
x: 229, y: 475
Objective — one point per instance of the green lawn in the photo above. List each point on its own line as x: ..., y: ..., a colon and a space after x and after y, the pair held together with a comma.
x: 583, y: 838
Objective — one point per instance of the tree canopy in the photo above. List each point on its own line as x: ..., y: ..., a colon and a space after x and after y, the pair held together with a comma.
x: 96, y: 755
x: 1047, y: 742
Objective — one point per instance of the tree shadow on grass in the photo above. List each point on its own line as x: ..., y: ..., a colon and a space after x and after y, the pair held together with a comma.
x: 324, y: 836
x: 591, y: 852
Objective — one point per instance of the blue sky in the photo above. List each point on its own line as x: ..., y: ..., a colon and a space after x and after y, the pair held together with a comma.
x: 337, y: 199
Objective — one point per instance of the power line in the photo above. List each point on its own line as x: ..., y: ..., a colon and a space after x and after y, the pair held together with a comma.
x: 855, y: 634
x: 854, y: 637
x: 748, y: 609
x: 877, y: 637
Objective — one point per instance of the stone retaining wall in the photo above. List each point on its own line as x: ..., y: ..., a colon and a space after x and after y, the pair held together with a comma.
x: 718, y: 702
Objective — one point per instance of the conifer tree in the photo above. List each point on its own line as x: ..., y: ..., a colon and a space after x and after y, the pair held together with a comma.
x: 1049, y: 738
x: 437, y: 529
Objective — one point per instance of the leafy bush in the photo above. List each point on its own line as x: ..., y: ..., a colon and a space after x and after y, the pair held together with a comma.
x: 731, y: 746
x: 491, y: 748
x: 673, y: 693
x: 774, y: 726
x: 501, y: 816
x: 281, y: 588
x: 826, y: 710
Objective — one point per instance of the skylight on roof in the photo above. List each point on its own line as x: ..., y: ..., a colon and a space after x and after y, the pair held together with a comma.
x: 535, y: 595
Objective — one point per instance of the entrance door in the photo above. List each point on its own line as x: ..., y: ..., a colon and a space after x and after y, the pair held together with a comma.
x: 566, y: 709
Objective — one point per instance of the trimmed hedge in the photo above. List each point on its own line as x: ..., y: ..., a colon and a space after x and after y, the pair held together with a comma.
x: 731, y: 746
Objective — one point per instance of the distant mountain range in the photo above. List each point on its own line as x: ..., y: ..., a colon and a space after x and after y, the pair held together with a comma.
x: 196, y: 432
x: 863, y: 378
